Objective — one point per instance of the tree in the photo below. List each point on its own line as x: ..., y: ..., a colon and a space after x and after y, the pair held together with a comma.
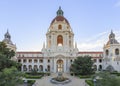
x: 82, y: 65
x: 106, y: 79
x: 9, y: 75
x: 6, y: 51
x: 5, y: 57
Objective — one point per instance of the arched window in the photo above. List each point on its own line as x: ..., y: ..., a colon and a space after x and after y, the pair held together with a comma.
x: 41, y: 60
x: 30, y: 60
x: 107, y: 52
x: 117, y: 51
x: 59, y: 27
x: 48, y: 67
x: 35, y: 61
x: 41, y: 68
x: 48, y: 60
x: 100, y: 67
x: 19, y: 60
x: 24, y: 60
x: 59, y: 40
x: 100, y: 60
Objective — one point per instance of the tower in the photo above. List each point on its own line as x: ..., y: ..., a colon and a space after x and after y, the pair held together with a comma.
x: 60, y: 35
x: 8, y: 42
x: 59, y: 48
x: 111, y: 58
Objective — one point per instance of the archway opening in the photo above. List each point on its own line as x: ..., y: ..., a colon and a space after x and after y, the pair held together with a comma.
x: 59, y: 40
x: 48, y: 68
x: 41, y: 67
x: 60, y: 65
x: 117, y: 51
x: 100, y: 67
x: 59, y: 27
x: 107, y: 52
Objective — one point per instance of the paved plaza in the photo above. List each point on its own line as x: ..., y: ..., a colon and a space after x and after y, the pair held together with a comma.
x: 45, y: 81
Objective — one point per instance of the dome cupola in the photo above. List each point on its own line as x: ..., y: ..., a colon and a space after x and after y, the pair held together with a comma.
x: 60, y: 17
x: 7, y: 35
x: 60, y: 12
x: 7, y: 38
x: 112, y: 35
x: 112, y: 39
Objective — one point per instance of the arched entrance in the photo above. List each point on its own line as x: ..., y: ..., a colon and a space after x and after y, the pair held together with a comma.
x: 60, y: 40
x: 60, y: 65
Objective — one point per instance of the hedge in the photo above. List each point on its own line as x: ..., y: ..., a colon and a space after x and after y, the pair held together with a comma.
x: 89, y: 82
x: 85, y: 76
x: 38, y: 73
x: 118, y: 74
x: 33, y: 77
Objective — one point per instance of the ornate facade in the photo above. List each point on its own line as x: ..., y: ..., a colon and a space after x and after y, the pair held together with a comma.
x: 111, y: 52
x: 60, y: 49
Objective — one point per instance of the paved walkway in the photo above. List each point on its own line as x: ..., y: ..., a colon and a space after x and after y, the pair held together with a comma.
x: 45, y: 81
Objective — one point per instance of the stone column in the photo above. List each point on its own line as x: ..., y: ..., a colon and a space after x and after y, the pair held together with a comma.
x: 52, y: 64
x: 68, y: 65
x: 27, y: 67
x: 55, y: 65
x: 44, y: 64
x: 22, y: 68
x: 32, y: 66
x: 65, y: 65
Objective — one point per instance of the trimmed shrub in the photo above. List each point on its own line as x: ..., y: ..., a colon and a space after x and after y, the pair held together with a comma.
x: 89, y: 82
x: 32, y: 76
x: 37, y: 73
x: 85, y: 76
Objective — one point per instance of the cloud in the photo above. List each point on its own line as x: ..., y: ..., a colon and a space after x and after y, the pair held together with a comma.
x: 96, y: 36
x: 97, y: 42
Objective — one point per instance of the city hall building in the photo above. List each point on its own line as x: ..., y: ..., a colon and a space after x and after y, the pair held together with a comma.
x: 59, y: 51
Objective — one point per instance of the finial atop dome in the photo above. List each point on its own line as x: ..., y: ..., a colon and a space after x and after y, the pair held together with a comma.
x: 112, y: 39
x: 7, y: 35
x: 112, y: 35
x: 60, y: 12
x: 7, y: 38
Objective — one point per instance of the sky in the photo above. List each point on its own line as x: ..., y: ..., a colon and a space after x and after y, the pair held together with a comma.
x: 28, y: 21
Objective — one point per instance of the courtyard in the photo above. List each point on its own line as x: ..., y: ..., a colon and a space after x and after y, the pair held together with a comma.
x: 75, y: 81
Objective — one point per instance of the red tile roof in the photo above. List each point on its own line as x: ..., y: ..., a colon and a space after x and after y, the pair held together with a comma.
x: 29, y: 52
x: 30, y: 57
x: 60, y: 18
x: 90, y: 52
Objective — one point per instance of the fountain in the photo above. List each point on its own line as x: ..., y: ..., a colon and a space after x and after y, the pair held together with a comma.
x: 60, y: 79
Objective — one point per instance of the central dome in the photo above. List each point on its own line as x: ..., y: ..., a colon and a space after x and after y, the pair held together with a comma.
x: 60, y: 17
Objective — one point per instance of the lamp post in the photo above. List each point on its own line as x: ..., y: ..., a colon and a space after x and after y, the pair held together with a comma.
x: 25, y: 82
x: 94, y: 81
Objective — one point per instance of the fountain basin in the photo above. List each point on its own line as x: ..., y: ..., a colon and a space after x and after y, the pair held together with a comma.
x: 60, y: 79
x: 54, y: 81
